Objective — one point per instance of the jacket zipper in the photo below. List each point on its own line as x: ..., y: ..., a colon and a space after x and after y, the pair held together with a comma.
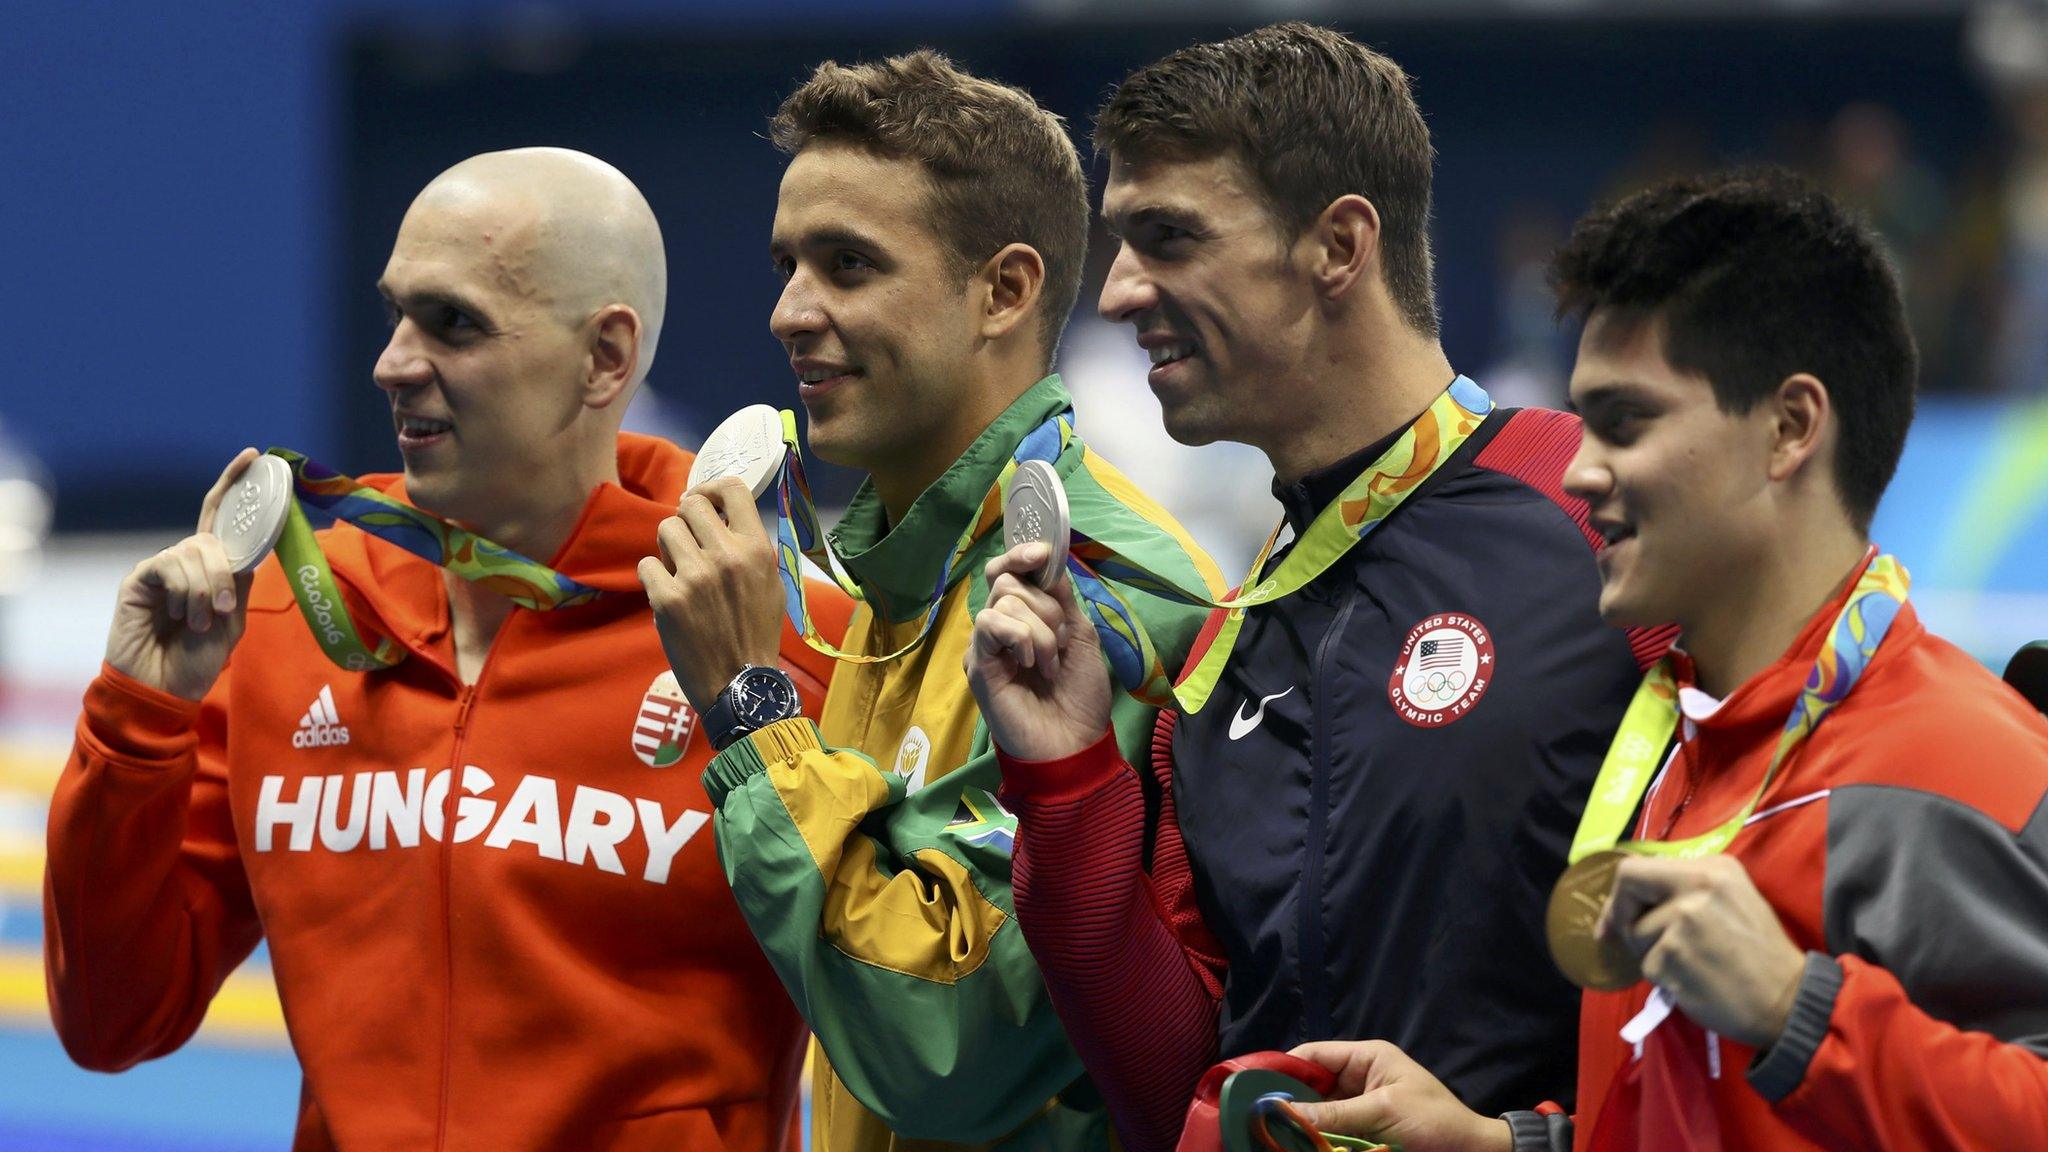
x: 465, y: 702
x: 1692, y: 785
x: 1315, y: 1004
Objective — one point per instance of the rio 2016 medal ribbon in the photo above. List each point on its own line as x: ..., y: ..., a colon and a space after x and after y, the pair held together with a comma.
x: 1638, y: 748
x: 1036, y: 510
x: 748, y: 444
x: 1364, y: 504
x: 526, y: 582
x: 251, y: 517
x: 1133, y: 662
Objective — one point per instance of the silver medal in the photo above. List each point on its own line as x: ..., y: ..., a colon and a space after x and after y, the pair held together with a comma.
x: 251, y: 516
x: 1037, y: 510
x: 747, y: 445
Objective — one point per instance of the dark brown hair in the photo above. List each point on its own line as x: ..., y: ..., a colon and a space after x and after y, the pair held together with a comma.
x: 1314, y: 115
x: 1003, y: 170
x: 1759, y: 275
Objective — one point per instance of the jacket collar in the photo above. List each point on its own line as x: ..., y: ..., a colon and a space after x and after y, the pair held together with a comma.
x: 897, y: 565
x: 1757, y: 708
x: 1306, y: 498
x: 405, y: 595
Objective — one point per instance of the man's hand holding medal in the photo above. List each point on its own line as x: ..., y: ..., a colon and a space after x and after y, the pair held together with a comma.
x: 180, y: 612
x: 1709, y: 939
x: 716, y: 589
x: 1035, y: 663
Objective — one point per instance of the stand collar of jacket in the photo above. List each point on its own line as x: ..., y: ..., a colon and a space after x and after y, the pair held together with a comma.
x: 617, y: 527
x: 896, y: 565
x: 1756, y: 710
x: 1306, y: 498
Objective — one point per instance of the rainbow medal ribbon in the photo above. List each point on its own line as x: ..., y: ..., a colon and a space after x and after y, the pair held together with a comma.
x: 1134, y: 664
x: 1363, y: 505
x: 1638, y: 751
x: 526, y: 582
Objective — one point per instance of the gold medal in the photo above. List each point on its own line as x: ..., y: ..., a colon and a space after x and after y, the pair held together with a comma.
x: 1587, y: 959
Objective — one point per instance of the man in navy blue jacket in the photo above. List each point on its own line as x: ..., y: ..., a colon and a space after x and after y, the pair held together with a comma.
x: 1356, y: 836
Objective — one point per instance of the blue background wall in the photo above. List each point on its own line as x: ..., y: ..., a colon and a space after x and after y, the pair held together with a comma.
x: 199, y: 196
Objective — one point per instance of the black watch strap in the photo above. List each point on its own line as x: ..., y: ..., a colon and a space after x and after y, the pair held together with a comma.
x: 719, y: 722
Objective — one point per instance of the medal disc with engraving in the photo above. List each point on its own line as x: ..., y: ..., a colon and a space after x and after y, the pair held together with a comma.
x: 251, y: 516
x: 1037, y: 510
x: 747, y: 445
x: 1586, y: 959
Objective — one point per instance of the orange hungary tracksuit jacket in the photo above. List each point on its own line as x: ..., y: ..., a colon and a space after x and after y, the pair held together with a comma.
x: 495, y: 912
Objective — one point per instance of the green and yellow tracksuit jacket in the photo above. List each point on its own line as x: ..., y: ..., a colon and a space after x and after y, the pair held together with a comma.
x: 871, y: 857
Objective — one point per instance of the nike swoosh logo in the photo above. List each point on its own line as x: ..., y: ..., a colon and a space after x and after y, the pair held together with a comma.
x: 1241, y: 725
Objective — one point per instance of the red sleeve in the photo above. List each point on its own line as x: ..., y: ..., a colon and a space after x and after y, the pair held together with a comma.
x: 1889, y: 1076
x: 146, y: 909
x: 1132, y: 972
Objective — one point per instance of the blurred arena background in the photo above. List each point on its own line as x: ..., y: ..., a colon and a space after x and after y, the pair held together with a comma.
x: 198, y: 198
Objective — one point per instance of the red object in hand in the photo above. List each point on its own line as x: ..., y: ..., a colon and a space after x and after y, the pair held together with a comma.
x: 1203, y: 1132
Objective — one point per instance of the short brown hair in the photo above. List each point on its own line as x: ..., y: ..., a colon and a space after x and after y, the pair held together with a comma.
x: 1003, y: 169
x: 1314, y: 115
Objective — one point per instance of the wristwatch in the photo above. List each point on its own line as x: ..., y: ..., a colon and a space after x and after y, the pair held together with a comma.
x: 755, y: 698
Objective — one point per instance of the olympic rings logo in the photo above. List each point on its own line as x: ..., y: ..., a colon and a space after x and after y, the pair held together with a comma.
x: 1442, y: 687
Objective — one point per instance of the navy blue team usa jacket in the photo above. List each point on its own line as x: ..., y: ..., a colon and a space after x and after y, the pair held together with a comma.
x: 1356, y: 837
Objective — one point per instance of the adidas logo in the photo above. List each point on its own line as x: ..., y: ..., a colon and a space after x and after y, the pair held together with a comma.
x: 321, y: 726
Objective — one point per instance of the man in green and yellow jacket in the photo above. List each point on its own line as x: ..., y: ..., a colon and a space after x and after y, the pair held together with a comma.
x: 930, y: 231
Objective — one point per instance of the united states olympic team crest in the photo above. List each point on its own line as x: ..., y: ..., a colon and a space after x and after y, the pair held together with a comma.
x: 1446, y: 663
x: 664, y: 724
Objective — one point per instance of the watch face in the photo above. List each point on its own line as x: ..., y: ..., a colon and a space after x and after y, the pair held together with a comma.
x: 762, y: 696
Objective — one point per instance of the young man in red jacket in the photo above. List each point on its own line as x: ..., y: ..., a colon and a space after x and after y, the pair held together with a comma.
x: 1836, y: 889
x: 484, y: 873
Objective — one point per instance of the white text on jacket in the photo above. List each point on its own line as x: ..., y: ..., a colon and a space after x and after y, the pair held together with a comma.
x: 385, y: 811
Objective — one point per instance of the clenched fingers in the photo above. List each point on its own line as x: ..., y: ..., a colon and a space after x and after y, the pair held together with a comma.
x: 999, y: 636
x: 1041, y: 603
x: 705, y: 525
x: 657, y: 580
x: 1363, y: 1116
x: 1041, y: 644
x: 735, y: 502
x: 1359, y: 1064
x: 678, y: 546
x: 221, y: 584
x: 1643, y: 884
x: 186, y: 591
